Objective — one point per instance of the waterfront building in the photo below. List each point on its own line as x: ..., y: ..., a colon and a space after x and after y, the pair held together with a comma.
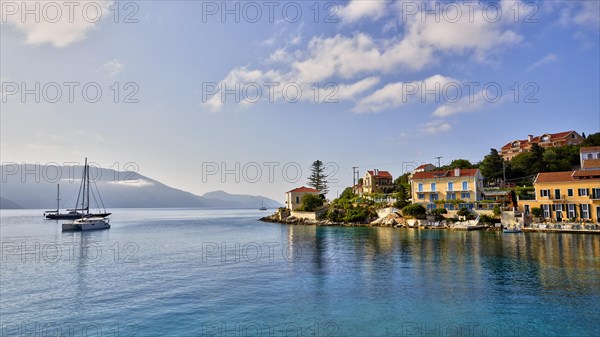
x: 457, y: 188
x: 293, y: 198
x: 546, y: 140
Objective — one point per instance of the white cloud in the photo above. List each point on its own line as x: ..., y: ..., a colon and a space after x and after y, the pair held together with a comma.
x: 400, y: 93
x: 582, y: 13
x: 133, y: 183
x: 550, y: 58
x: 468, y: 102
x: 435, y: 126
x: 60, y: 23
x: 358, y: 56
x: 358, y: 9
x: 113, y: 67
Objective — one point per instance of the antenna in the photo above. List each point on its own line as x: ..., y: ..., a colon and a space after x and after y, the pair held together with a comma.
x: 439, y: 163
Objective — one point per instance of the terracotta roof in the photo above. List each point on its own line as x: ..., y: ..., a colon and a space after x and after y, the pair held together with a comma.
x: 422, y: 166
x: 588, y: 174
x: 444, y: 174
x: 550, y: 177
x: 382, y: 174
x: 536, y: 139
x: 304, y: 189
x: 589, y: 149
x: 590, y: 163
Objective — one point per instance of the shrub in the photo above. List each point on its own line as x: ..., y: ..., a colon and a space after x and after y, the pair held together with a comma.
x: 487, y: 219
x: 358, y: 214
x: 536, y: 212
x: 311, y: 202
x: 439, y: 211
x: 463, y: 212
x: 497, y: 211
x: 414, y: 210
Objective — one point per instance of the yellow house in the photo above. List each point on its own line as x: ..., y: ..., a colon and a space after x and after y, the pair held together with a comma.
x: 377, y: 181
x: 566, y: 196
x: 293, y: 198
x: 430, y: 187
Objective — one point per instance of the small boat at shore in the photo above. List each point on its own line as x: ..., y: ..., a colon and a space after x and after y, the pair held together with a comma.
x: 85, y: 220
x: 86, y: 224
x: 511, y: 230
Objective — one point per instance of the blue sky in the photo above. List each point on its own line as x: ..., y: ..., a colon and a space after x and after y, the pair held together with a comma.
x: 375, y: 53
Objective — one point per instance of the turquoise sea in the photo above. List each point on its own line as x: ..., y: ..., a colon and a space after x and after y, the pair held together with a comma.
x: 186, y: 272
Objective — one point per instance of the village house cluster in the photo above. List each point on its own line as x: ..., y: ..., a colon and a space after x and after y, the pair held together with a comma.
x: 569, y: 196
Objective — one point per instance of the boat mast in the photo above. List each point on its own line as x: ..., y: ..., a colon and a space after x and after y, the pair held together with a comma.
x: 57, y: 198
x: 87, y: 176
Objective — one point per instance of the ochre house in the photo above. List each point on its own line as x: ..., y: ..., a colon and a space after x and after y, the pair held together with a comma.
x: 377, y: 181
x: 566, y: 196
x: 293, y: 198
x: 517, y: 147
x: 458, y: 188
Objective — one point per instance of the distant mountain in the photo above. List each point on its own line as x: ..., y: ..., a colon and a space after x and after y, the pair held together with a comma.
x: 224, y: 199
x: 8, y: 204
x: 118, y: 189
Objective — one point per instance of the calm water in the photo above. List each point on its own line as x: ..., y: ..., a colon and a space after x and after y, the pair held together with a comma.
x: 223, y: 273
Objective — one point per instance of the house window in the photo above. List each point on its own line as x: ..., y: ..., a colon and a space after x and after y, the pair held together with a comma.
x: 545, y: 139
x: 465, y: 186
x: 433, y: 187
x: 433, y: 197
x: 558, y: 209
x: 526, y: 209
x: 450, y: 186
x: 297, y: 200
x: 449, y: 207
x: 420, y: 187
x: 570, y: 192
x: 420, y: 195
x: 596, y: 193
x: 546, y: 209
x: 545, y: 193
x: 451, y: 196
x: 430, y: 206
x: 557, y: 193
x: 571, y: 211
x: 585, y: 211
x: 590, y: 156
x: 465, y: 195
x: 582, y: 192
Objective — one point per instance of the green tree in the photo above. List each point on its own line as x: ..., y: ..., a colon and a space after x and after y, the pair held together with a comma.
x: 463, y: 212
x: 414, y: 210
x: 592, y: 140
x: 460, y: 163
x: 492, y: 165
x: 318, y: 178
x: 401, y: 196
x: 311, y: 202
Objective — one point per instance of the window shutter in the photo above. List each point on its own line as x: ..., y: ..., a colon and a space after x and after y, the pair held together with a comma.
x: 579, y: 193
x: 553, y: 207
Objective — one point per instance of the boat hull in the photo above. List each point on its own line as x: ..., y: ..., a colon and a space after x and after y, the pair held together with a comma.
x: 85, y: 225
x: 74, y: 216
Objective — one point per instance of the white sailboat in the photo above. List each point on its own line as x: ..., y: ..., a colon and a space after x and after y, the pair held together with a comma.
x: 86, y: 221
x: 262, y: 206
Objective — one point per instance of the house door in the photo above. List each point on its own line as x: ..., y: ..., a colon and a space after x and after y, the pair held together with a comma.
x: 598, y: 214
x: 558, y: 209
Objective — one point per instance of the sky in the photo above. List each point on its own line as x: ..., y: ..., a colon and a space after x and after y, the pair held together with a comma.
x: 244, y: 96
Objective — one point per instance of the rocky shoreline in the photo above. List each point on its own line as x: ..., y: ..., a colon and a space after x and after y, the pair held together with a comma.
x: 392, y: 220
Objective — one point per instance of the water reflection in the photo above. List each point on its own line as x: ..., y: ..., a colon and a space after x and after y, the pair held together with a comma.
x: 569, y: 262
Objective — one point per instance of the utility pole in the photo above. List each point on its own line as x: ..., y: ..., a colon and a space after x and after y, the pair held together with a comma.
x: 354, y: 175
x: 503, y: 173
x: 439, y: 162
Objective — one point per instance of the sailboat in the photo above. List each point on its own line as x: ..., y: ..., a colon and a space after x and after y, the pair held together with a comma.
x: 86, y: 220
x: 262, y: 206
x: 75, y: 213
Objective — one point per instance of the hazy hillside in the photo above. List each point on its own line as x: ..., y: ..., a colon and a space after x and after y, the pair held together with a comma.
x: 224, y: 199
x: 117, y: 189
x: 8, y: 204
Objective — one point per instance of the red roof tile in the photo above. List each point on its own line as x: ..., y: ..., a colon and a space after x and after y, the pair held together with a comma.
x: 552, y: 177
x: 444, y: 174
x: 536, y: 139
x: 589, y: 149
x: 304, y: 189
x: 422, y: 166
x: 381, y: 174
